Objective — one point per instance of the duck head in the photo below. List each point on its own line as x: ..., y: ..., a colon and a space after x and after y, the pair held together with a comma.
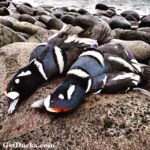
x: 24, y: 83
x: 65, y: 98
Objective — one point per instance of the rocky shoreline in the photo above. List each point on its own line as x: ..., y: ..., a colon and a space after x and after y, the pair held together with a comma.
x: 119, y: 121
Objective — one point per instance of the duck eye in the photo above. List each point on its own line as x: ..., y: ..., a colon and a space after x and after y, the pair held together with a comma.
x: 17, y: 81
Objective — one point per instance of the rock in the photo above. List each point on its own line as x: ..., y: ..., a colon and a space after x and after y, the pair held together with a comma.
x: 132, y: 35
x: 107, y: 13
x: 12, y: 9
x: 95, y: 28
x: 40, y: 24
x: 27, y: 4
x: 119, y: 22
x: 145, y: 29
x: 106, y: 19
x: 4, y: 4
x: 140, y: 49
x: 8, y: 36
x: 83, y: 11
x: 101, y: 7
x: 25, y: 35
x: 145, y: 21
x: 23, y: 9
x: 4, y: 11
x: 103, y: 121
x: 131, y: 15
x: 57, y: 14
x: 41, y: 11
x: 27, y: 18
x: 51, y: 22
x: 6, y: 22
x: 26, y: 27
x: 68, y: 19
x: 42, y: 36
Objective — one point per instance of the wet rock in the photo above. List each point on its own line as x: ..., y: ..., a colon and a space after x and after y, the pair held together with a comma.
x: 40, y: 24
x: 41, y: 11
x: 107, y: 13
x: 26, y: 27
x: 4, y: 4
x: 131, y: 15
x: 101, y: 7
x: 27, y: 4
x: 42, y: 36
x: 132, y: 35
x: 95, y: 28
x: 119, y: 22
x: 83, y: 11
x: 140, y: 49
x: 27, y: 18
x: 51, y: 22
x: 57, y: 14
x: 145, y: 29
x: 4, y: 11
x: 23, y: 9
x: 68, y: 19
x: 145, y: 21
x: 6, y: 22
x: 8, y: 36
x: 25, y: 35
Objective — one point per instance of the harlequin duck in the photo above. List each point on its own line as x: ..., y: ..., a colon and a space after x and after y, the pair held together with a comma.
x: 46, y: 62
x: 110, y: 68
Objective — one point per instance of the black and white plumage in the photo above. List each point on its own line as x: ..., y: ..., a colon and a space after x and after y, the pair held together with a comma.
x: 47, y: 61
x: 110, y: 68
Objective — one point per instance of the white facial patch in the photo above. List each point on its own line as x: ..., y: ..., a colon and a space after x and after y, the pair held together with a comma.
x: 12, y: 95
x: 79, y: 73
x: 61, y: 96
x: 38, y: 104
x: 136, y: 65
x: 22, y: 74
x: 17, y: 81
x: 89, y: 85
x: 98, y: 56
x: 75, y: 38
x: 40, y: 68
x: 121, y: 61
x: 70, y: 91
x: 59, y: 57
x: 47, y: 102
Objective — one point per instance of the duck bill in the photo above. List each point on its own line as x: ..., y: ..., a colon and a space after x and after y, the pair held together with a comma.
x: 58, y: 110
x: 13, y: 106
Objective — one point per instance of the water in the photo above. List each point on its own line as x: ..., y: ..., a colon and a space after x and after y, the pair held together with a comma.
x: 141, y: 6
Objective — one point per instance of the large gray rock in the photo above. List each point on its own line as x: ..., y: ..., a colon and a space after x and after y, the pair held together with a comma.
x: 119, y: 121
x: 42, y: 36
x: 8, y: 36
x: 140, y: 49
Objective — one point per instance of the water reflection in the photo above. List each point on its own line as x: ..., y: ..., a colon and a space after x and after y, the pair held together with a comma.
x: 142, y: 6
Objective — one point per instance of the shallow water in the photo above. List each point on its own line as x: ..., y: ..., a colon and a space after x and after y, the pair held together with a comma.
x: 141, y: 6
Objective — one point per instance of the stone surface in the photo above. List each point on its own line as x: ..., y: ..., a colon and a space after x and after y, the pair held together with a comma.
x: 8, y: 36
x: 140, y: 49
x: 42, y: 36
x: 104, y: 121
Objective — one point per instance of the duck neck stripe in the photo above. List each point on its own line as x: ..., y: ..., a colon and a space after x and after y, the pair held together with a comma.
x: 40, y: 68
x: 97, y: 55
x: 79, y: 73
x: 59, y: 59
